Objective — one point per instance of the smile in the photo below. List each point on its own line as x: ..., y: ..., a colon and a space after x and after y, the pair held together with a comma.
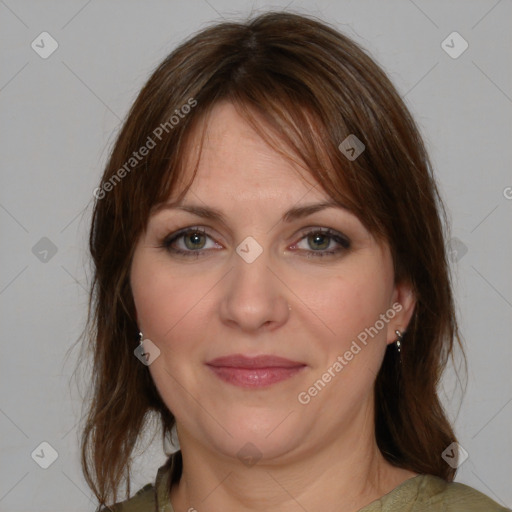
x: 254, y: 372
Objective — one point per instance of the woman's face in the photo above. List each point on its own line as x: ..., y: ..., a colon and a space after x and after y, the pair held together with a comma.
x: 245, y: 375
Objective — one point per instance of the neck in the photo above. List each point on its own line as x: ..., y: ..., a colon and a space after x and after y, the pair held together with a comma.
x: 343, y: 476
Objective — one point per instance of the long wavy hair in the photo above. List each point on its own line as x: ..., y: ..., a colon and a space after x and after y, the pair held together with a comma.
x: 305, y: 87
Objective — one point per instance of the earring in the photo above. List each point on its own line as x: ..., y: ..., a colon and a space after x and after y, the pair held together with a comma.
x: 398, y: 341
x: 141, y: 337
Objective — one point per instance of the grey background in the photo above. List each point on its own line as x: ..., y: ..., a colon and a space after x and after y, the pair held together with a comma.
x: 59, y: 118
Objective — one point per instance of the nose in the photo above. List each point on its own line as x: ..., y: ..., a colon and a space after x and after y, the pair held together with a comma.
x: 254, y: 297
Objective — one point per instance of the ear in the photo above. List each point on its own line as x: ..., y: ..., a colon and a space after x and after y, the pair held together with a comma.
x: 133, y: 302
x: 136, y: 318
x: 403, y: 303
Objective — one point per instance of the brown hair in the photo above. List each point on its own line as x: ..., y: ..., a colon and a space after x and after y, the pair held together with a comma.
x: 313, y: 87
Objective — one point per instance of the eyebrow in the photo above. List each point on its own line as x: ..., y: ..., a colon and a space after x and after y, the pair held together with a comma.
x: 290, y: 215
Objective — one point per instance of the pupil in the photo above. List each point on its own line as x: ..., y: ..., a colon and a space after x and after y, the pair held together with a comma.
x: 193, y: 239
x: 317, y: 238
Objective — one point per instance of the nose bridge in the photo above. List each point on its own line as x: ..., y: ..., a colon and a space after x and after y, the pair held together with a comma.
x: 251, y: 275
x: 253, y: 296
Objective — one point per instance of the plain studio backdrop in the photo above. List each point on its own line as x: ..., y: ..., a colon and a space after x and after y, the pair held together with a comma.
x: 69, y: 73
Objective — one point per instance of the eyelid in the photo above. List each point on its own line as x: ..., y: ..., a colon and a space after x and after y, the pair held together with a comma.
x: 302, y: 232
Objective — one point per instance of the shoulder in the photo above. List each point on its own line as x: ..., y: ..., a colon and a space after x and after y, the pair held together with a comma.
x: 142, y: 501
x: 436, y: 494
x: 152, y: 496
x: 456, y: 496
x: 429, y: 493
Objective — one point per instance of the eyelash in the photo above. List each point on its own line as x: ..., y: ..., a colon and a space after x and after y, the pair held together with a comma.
x: 341, y: 240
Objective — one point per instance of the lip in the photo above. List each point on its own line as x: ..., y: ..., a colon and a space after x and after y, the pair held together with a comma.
x: 254, y: 372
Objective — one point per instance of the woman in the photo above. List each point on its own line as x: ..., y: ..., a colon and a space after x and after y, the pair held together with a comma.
x: 271, y: 279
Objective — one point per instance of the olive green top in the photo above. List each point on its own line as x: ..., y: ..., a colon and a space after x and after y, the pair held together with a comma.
x: 422, y: 493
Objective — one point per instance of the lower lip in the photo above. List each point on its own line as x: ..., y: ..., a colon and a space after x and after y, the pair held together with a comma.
x: 254, y: 377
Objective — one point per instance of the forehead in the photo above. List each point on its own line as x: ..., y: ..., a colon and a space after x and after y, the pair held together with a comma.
x: 235, y: 161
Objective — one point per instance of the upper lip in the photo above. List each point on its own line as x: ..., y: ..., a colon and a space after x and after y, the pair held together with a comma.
x: 263, y: 361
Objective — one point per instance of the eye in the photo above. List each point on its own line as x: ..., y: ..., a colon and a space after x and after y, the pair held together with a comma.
x: 317, y: 242
x: 189, y: 242
x: 323, y: 242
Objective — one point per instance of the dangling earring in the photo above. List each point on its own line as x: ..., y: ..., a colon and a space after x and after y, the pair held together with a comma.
x: 398, y: 343
x: 140, y: 352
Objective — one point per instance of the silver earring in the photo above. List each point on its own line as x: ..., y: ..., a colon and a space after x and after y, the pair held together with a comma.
x: 399, y: 339
x: 141, y: 337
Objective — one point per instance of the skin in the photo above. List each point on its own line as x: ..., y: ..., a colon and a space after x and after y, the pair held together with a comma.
x: 319, y: 456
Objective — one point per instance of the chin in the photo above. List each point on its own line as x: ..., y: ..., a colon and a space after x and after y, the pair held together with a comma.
x: 252, y: 433
x: 250, y: 449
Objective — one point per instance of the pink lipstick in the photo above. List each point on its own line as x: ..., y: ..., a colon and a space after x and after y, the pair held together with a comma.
x: 254, y: 372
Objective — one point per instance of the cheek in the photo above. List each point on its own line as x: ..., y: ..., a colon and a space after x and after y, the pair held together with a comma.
x: 169, y: 310
x: 351, y: 306
x: 349, y: 302
x: 171, y: 305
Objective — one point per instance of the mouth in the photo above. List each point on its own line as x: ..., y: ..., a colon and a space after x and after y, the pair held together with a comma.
x: 254, y: 372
